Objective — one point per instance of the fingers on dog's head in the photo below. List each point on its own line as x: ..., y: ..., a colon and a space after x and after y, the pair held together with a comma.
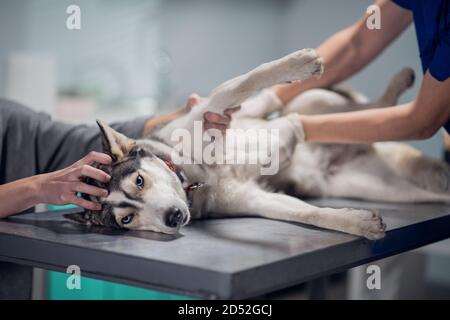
x: 95, y: 157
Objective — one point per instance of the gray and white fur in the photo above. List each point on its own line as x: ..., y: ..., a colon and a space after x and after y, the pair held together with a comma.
x: 148, y: 192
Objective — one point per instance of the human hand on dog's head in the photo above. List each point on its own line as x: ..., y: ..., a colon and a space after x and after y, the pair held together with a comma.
x: 61, y: 187
x: 146, y: 190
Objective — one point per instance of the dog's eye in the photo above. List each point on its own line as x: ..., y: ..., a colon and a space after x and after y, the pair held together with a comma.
x: 140, y: 182
x: 127, y: 219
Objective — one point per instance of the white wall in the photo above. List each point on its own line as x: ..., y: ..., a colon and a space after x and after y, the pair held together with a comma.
x: 210, y: 41
x: 112, y: 52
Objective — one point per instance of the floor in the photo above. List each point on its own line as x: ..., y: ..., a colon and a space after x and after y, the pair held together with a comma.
x: 337, y: 286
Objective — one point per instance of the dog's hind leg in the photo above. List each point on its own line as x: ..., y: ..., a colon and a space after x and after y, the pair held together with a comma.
x: 322, y: 101
x: 396, y: 87
x: 277, y: 206
x: 398, y: 84
x: 427, y: 173
x: 299, y: 65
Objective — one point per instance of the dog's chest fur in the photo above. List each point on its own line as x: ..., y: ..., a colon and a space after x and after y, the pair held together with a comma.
x: 215, y: 179
x: 317, y: 163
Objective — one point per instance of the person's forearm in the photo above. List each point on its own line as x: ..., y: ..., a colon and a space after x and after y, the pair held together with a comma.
x: 161, y: 120
x: 388, y: 124
x: 447, y: 141
x: 348, y: 51
x: 18, y: 196
x: 416, y: 120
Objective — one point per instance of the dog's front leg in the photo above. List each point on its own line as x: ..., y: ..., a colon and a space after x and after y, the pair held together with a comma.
x: 277, y: 206
x: 299, y: 65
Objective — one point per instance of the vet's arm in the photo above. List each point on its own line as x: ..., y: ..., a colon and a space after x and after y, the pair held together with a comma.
x: 59, y: 187
x: 211, y: 119
x: 156, y: 122
x: 419, y: 119
x: 348, y: 51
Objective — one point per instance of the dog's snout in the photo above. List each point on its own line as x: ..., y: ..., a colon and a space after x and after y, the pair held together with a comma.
x: 174, y: 217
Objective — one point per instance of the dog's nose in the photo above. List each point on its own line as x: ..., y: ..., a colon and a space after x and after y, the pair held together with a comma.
x: 174, y: 217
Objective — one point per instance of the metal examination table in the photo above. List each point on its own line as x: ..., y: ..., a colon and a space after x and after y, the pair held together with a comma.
x: 227, y: 258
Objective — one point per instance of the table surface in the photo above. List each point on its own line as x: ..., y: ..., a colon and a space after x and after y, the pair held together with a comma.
x: 217, y: 258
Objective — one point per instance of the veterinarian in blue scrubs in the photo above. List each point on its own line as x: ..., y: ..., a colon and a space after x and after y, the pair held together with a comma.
x: 350, y: 50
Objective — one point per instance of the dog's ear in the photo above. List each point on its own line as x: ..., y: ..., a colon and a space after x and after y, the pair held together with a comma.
x: 103, y: 218
x: 114, y: 143
x: 86, y: 218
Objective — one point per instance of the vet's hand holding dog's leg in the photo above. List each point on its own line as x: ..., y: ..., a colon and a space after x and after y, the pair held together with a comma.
x: 260, y: 106
x: 221, y: 122
x: 211, y: 120
x: 59, y: 187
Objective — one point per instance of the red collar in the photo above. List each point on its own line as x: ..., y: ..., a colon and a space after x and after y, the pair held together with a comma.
x: 187, y: 187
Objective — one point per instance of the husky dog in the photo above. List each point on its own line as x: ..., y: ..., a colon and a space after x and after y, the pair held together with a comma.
x: 148, y: 191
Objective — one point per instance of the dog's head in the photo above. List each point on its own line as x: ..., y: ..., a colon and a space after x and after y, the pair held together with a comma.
x: 144, y: 192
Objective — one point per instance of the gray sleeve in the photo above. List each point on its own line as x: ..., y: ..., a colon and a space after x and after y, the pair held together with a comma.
x: 60, y: 144
x: 32, y: 143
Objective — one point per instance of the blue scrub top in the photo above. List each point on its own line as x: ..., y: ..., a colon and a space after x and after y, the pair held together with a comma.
x: 432, y: 21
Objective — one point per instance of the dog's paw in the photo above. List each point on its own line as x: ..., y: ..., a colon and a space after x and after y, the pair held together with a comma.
x: 370, y: 225
x: 313, y: 66
x: 303, y: 64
